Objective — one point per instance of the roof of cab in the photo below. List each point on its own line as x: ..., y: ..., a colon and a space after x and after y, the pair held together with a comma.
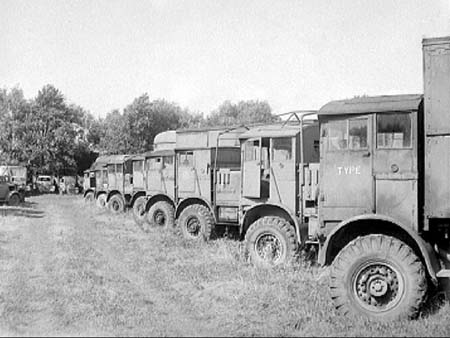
x: 372, y: 104
x: 276, y: 130
x: 104, y: 160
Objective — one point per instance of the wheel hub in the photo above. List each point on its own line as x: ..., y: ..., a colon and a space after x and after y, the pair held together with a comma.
x: 377, y: 286
x: 193, y: 226
x: 141, y: 211
x: 268, y: 247
x: 159, y: 217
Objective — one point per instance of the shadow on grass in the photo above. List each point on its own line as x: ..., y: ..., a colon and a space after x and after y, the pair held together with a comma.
x: 437, y: 298
x: 25, y: 210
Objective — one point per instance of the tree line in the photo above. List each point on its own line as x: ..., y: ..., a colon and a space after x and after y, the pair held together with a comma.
x: 50, y: 135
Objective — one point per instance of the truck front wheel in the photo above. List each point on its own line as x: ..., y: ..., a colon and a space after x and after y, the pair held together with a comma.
x: 101, y: 201
x: 271, y: 241
x: 89, y: 197
x: 161, y: 214
x: 14, y: 199
x: 116, y: 204
x: 196, y: 222
x: 139, y: 213
x: 379, y: 277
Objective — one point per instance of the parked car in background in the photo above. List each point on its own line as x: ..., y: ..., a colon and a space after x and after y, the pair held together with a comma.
x: 45, y: 184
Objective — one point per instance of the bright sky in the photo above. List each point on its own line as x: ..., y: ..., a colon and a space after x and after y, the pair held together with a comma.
x: 296, y: 54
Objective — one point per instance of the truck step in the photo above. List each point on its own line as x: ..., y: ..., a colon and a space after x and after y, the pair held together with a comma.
x: 444, y: 273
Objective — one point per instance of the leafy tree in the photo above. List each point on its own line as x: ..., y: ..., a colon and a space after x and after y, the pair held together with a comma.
x: 242, y: 113
x: 134, y: 130
x: 115, y: 138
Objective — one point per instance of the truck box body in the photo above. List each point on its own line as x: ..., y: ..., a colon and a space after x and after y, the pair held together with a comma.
x: 436, y: 58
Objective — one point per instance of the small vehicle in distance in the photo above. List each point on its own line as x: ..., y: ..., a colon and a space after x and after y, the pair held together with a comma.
x: 44, y: 184
x: 9, y: 193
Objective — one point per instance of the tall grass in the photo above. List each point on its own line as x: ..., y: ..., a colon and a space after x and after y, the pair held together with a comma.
x: 108, y: 277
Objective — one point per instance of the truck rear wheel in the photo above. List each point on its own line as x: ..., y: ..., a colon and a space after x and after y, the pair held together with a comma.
x: 101, y: 201
x: 89, y: 197
x: 196, y: 222
x: 139, y: 214
x: 271, y: 241
x: 116, y: 204
x: 161, y: 214
x: 379, y: 277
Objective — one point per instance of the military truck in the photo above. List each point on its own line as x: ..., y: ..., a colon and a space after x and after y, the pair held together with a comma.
x: 207, y: 172
x: 279, y: 178
x: 384, y: 212
x: 154, y: 183
x: 9, y: 192
x: 96, y: 181
x: 120, y: 182
x: 18, y: 174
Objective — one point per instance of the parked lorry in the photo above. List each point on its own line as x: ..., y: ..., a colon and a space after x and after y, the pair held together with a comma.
x: 120, y: 182
x: 207, y: 175
x: 17, y: 174
x: 279, y: 176
x: 384, y: 212
x: 154, y: 183
x: 257, y: 181
x: 10, y: 193
x: 95, y: 183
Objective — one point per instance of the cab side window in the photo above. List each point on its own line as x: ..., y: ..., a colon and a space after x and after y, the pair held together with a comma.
x: 394, y: 130
x: 348, y: 134
x: 186, y: 159
x: 357, y: 130
x: 252, y: 151
x: 282, y: 149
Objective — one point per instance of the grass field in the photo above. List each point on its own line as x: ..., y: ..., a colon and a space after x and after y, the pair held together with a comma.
x: 82, y: 271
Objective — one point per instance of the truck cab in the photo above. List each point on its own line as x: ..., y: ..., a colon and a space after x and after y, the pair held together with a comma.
x: 120, y: 182
x: 369, y: 159
x: 9, y: 192
x: 207, y: 167
x: 154, y: 183
x: 96, y: 182
x: 278, y: 192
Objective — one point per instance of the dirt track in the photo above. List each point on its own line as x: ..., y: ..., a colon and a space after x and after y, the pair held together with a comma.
x: 65, y: 272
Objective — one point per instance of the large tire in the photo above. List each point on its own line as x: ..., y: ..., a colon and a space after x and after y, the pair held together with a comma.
x: 196, y: 223
x: 271, y: 241
x: 161, y: 214
x: 116, y: 204
x: 14, y: 199
x: 101, y: 201
x: 89, y: 197
x: 139, y: 213
x: 378, y: 277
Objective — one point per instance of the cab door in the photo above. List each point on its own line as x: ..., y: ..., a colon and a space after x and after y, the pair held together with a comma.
x: 4, y: 188
x: 347, y: 181
x: 119, y: 177
x: 251, y: 168
x: 153, y: 170
x: 128, y: 179
x: 186, y: 177
x: 283, y: 171
x: 395, y: 167
x: 167, y: 175
x: 138, y: 175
